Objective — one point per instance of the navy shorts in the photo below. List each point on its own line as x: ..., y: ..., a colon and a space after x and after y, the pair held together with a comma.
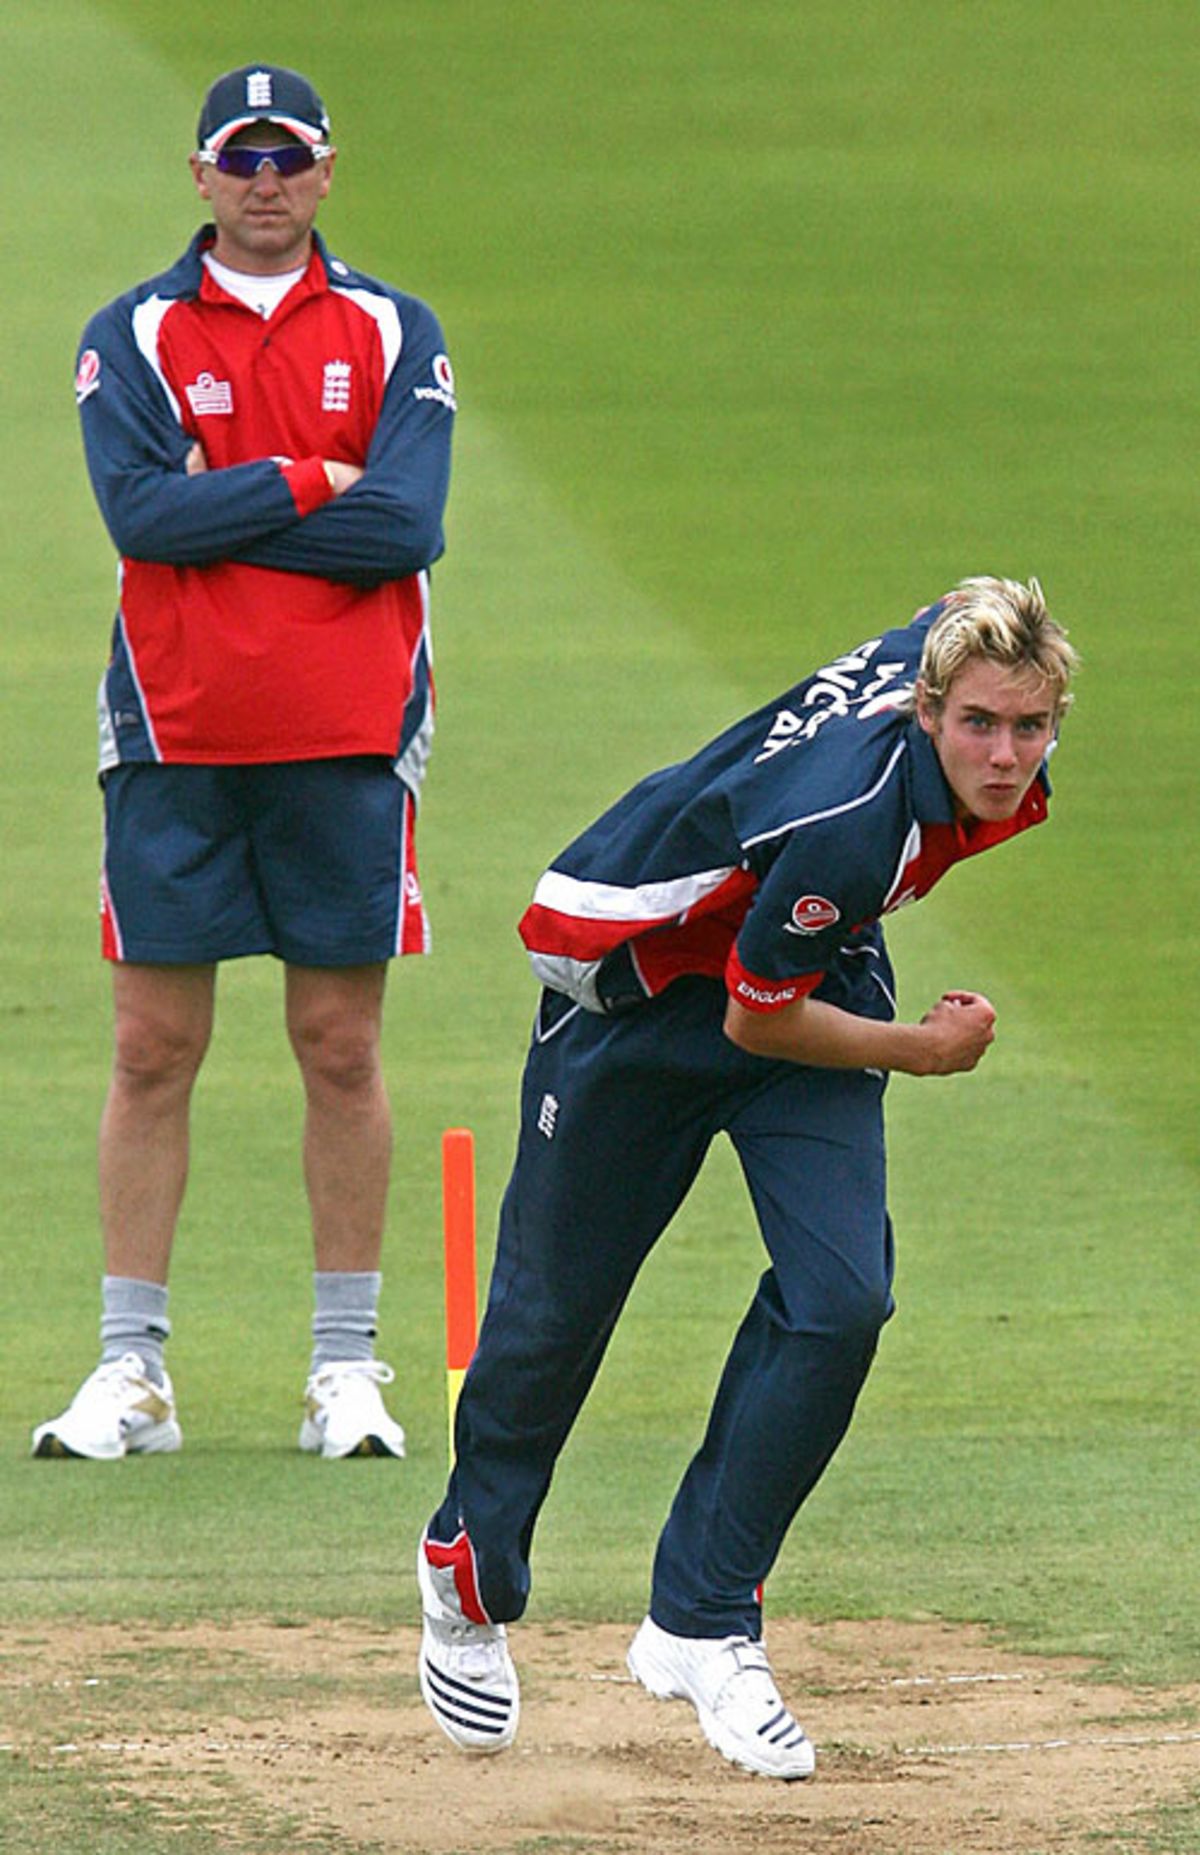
x: 312, y: 860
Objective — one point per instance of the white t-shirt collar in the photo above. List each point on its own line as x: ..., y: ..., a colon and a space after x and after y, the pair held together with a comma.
x: 262, y: 294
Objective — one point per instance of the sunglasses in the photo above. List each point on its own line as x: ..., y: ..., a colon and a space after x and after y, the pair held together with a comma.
x: 288, y: 160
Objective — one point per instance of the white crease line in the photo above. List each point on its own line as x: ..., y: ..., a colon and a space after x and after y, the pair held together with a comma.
x: 934, y: 1681
x: 896, y: 1681
x: 1050, y: 1745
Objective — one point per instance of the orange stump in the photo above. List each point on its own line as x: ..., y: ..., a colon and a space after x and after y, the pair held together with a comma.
x: 458, y: 1220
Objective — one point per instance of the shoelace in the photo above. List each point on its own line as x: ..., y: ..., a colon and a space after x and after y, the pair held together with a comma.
x: 751, y: 1674
x: 477, y: 1657
x: 750, y: 1656
x: 114, y: 1374
x: 357, y: 1368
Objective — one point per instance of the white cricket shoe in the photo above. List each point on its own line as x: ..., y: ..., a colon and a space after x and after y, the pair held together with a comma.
x: 344, y: 1414
x: 729, y: 1682
x: 118, y: 1411
x: 468, y: 1681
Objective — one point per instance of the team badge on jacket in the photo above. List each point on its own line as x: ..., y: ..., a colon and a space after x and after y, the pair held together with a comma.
x: 335, y: 392
x: 812, y: 914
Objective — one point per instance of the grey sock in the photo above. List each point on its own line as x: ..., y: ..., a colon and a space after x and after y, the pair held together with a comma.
x: 346, y: 1316
x: 134, y: 1320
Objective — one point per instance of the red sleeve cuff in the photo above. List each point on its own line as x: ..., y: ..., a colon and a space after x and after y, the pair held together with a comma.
x: 766, y: 995
x: 309, y: 483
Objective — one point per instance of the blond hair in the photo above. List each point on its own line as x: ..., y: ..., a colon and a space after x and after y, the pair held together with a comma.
x: 998, y: 621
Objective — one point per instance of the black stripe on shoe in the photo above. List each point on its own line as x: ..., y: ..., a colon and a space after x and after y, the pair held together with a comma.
x: 466, y: 1705
x: 782, y: 1729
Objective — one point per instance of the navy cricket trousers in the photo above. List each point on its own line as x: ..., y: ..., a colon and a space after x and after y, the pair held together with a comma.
x: 616, y: 1117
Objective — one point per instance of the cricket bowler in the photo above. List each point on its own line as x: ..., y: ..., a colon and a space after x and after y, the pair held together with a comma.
x: 712, y: 959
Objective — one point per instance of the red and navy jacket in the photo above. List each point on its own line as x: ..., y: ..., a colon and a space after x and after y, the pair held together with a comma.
x: 259, y: 619
x: 768, y: 858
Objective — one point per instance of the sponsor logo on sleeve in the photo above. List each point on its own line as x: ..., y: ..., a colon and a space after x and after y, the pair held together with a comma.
x: 87, y: 376
x: 812, y: 914
x: 443, y: 384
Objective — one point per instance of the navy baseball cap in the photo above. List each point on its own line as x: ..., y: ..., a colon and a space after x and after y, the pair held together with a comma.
x: 261, y: 93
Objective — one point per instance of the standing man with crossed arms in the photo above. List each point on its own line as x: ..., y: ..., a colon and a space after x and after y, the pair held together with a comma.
x: 268, y: 437
x: 713, y: 962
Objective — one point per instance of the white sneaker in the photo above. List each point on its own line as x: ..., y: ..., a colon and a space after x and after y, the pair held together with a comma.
x: 118, y: 1411
x: 468, y: 1681
x: 344, y: 1414
x: 729, y: 1682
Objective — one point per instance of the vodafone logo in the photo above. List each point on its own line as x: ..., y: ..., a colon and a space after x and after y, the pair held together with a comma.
x: 87, y: 377
x: 812, y: 914
x: 443, y: 389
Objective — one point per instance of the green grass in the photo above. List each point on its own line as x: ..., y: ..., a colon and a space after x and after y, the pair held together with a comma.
x: 764, y: 336
x: 62, y: 1808
x: 1169, y: 1830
